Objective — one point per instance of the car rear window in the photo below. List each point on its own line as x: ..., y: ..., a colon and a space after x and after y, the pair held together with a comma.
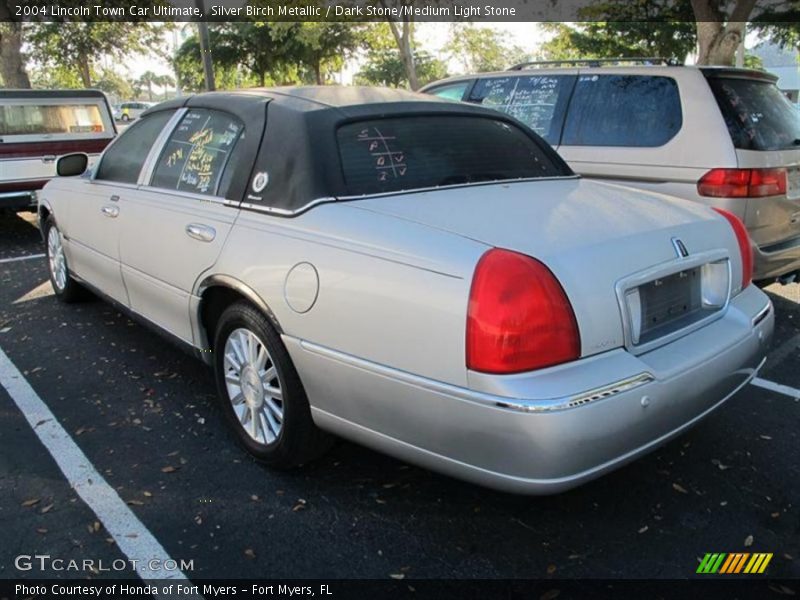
x: 758, y: 115
x: 50, y: 119
x: 395, y: 154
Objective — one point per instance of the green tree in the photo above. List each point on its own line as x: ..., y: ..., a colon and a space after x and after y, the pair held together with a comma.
x: 114, y: 84
x: 12, y: 61
x: 479, y: 49
x: 190, y: 67
x: 655, y: 28
x: 320, y: 48
x: 608, y: 39
x: 79, y: 44
x: 384, y: 67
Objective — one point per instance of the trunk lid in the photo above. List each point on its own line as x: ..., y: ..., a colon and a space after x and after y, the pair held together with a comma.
x: 591, y: 235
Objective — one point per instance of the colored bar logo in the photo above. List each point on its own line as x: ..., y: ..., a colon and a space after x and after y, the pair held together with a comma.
x: 734, y: 563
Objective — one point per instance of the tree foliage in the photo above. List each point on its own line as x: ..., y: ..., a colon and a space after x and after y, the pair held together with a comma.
x: 478, y: 49
x: 384, y: 67
x: 78, y: 45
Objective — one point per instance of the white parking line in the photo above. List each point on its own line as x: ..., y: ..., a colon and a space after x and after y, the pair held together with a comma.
x: 776, y: 387
x: 130, y: 534
x: 18, y: 258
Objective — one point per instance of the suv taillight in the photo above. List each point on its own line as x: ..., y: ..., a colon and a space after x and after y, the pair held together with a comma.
x: 745, y: 248
x: 519, y: 317
x: 742, y: 183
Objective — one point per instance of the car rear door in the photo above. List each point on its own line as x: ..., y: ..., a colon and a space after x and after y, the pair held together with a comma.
x: 94, y: 214
x: 178, y: 221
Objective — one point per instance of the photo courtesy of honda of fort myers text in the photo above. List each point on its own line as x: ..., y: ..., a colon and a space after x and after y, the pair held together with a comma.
x: 366, y: 407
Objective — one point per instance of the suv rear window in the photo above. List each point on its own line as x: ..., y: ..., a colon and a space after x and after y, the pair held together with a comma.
x: 49, y: 119
x: 758, y: 115
x: 394, y: 154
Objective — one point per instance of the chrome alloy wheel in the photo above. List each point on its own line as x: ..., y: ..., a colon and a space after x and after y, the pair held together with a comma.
x: 254, y: 388
x: 56, y: 259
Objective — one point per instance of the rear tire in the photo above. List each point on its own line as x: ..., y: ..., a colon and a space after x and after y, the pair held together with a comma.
x: 67, y: 290
x: 260, y: 391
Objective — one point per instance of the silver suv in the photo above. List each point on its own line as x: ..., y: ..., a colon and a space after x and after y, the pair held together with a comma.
x: 725, y: 137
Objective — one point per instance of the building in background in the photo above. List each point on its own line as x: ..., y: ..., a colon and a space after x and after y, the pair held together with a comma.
x: 782, y: 62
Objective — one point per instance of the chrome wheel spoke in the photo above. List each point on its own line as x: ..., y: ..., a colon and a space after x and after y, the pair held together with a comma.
x: 261, y: 359
x: 275, y: 410
x: 255, y: 424
x: 266, y: 427
x: 273, y: 392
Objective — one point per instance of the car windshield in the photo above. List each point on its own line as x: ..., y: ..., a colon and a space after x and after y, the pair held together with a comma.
x: 758, y: 115
x: 395, y: 154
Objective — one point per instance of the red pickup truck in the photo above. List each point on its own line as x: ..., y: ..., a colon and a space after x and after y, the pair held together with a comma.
x: 36, y: 127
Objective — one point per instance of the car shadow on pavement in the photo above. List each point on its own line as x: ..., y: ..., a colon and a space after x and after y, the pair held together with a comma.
x: 19, y: 233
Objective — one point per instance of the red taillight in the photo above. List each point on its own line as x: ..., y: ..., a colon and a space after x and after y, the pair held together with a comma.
x: 519, y: 318
x: 742, y: 183
x: 744, y: 245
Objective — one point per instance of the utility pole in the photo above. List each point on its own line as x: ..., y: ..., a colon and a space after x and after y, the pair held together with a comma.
x: 205, y: 50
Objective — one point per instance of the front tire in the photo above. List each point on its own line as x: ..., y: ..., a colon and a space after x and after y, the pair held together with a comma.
x: 260, y: 391
x: 67, y: 290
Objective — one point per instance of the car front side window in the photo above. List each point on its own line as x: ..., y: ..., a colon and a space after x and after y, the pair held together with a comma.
x: 123, y: 160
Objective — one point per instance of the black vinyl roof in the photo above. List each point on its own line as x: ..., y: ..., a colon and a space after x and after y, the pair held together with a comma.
x: 299, y: 151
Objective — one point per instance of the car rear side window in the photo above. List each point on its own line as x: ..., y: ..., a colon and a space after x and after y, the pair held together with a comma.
x: 123, y: 160
x: 453, y: 91
x: 51, y: 119
x: 406, y: 153
x: 197, y: 152
x: 536, y: 100
x: 623, y: 110
x: 758, y: 115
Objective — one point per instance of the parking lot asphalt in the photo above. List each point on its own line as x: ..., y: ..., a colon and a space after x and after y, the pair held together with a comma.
x: 145, y: 415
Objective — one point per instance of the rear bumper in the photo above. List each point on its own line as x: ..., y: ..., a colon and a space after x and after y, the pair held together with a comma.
x: 775, y: 260
x: 543, y: 432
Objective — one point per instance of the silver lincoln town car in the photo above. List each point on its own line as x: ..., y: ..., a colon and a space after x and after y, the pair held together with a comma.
x: 419, y: 276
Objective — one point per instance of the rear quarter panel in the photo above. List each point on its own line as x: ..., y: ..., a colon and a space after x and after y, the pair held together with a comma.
x: 390, y: 291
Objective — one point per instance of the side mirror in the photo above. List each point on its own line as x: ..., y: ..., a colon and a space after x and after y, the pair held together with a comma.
x: 70, y: 165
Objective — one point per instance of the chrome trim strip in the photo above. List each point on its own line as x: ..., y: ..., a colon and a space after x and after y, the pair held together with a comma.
x: 240, y: 287
x: 514, y: 404
x: 762, y: 314
x: 458, y: 185
x: 283, y: 212
x: 146, y: 174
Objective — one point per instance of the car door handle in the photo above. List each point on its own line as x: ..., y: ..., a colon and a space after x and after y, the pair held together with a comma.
x: 114, y: 198
x: 49, y: 158
x: 204, y: 233
x: 110, y: 211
